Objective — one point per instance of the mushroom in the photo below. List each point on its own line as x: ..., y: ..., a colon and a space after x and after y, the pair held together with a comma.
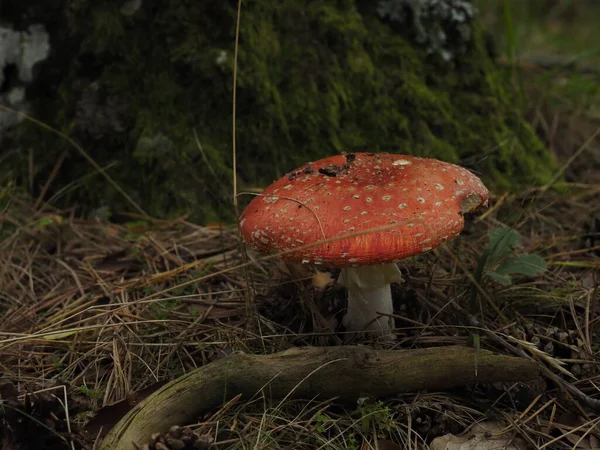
x: 363, y: 212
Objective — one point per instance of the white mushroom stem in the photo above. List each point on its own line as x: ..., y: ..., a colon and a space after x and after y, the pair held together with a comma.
x: 370, y: 296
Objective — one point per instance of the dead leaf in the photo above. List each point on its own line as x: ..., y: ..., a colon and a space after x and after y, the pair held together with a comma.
x: 106, y: 417
x: 381, y: 444
x: 567, y: 421
x: 321, y: 280
x: 482, y: 436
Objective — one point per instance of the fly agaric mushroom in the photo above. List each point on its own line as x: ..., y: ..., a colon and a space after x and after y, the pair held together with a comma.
x: 363, y: 212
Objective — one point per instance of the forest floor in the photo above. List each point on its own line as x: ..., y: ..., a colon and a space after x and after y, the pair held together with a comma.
x: 97, y: 315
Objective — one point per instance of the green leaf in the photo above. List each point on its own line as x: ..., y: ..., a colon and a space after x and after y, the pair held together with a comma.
x: 45, y: 221
x: 502, y: 279
x: 525, y: 264
x: 502, y: 241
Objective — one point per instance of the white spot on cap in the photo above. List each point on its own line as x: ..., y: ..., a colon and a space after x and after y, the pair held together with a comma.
x: 347, y: 208
x: 270, y: 199
x: 459, y: 181
x: 368, y: 199
x: 401, y: 162
x: 439, y: 187
x: 420, y: 199
x: 402, y: 205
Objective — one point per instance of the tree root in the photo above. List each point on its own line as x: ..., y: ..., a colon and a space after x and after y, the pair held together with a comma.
x: 345, y: 372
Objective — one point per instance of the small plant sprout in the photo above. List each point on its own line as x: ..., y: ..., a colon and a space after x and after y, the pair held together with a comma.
x: 501, y: 261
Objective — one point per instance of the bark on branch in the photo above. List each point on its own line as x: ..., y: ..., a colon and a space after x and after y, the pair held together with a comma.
x: 347, y: 372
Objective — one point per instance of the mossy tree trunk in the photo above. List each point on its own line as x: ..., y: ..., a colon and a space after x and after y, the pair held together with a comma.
x: 146, y: 88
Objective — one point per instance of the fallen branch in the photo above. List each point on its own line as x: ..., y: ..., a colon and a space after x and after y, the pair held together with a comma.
x: 346, y: 372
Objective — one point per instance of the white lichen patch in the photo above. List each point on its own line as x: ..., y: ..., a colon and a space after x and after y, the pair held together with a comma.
x: 130, y: 7
x: 23, y: 50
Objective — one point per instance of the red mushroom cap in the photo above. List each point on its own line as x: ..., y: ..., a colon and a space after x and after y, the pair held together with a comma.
x: 423, y: 200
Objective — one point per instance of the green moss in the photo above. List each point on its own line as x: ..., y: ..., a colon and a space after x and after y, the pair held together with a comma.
x: 314, y: 78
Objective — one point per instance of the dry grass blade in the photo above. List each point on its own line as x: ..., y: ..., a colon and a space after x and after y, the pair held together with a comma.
x: 112, y: 308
